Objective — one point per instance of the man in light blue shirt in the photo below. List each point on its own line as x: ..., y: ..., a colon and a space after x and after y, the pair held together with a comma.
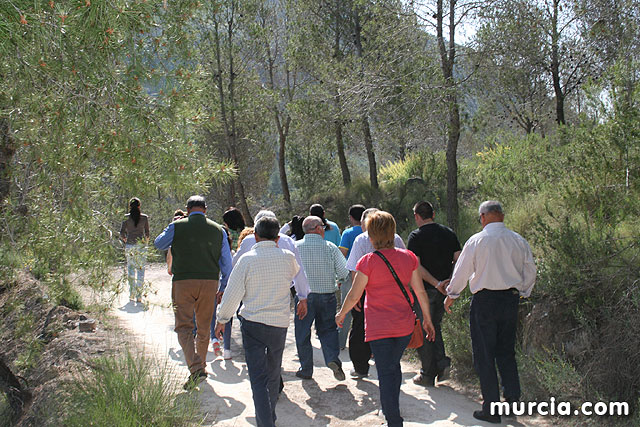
x: 331, y: 229
x: 324, y: 264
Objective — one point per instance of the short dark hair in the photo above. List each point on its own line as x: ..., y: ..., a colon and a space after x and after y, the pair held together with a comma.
x: 234, y: 219
x: 196, y: 202
x: 355, y: 212
x: 267, y: 228
x: 424, y: 209
x: 316, y: 210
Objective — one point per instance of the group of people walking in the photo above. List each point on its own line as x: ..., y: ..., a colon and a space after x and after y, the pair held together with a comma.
x: 383, y: 287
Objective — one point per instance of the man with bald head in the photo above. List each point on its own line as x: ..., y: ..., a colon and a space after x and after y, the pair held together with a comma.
x: 324, y: 264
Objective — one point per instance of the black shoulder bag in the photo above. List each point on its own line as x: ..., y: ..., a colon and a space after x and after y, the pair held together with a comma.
x: 417, y: 337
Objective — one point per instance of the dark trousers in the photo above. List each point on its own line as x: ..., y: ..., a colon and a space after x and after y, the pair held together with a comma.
x: 359, y: 351
x: 432, y: 355
x: 263, y: 348
x: 388, y: 352
x: 493, y: 321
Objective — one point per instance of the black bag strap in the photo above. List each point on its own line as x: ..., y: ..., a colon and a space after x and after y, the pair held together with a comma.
x: 398, y: 281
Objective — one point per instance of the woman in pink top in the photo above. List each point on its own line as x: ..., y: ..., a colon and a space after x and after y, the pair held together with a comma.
x: 388, y: 317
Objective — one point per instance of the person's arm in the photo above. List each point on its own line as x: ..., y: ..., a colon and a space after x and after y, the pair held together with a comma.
x: 245, y: 247
x: 398, y: 242
x: 529, y: 272
x: 358, y: 285
x: 423, y: 300
x: 340, y: 264
x: 300, y: 281
x: 164, y: 239
x: 123, y: 231
x: 225, y: 263
x: 169, y: 262
x: 146, y: 230
x: 461, y: 273
x: 231, y: 298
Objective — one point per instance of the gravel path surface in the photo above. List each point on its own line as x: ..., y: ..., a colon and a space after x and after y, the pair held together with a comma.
x: 226, y: 395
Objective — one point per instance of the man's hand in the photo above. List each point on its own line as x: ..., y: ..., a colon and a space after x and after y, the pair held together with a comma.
x: 301, y: 308
x: 219, y: 297
x: 448, y: 302
x: 442, y: 286
x: 219, y: 330
x: 429, y: 330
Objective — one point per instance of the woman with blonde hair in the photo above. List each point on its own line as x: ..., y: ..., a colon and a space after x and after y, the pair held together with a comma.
x: 389, y: 316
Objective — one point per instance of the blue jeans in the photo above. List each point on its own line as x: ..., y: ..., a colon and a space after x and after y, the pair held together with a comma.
x: 263, y: 348
x: 387, y: 353
x: 136, y: 255
x: 226, y: 335
x: 322, y: 309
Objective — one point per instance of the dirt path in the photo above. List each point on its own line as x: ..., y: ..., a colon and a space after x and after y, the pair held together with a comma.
x: 226, y: 395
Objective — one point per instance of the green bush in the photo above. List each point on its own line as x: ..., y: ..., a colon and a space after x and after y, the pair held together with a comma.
x: 127, y: 391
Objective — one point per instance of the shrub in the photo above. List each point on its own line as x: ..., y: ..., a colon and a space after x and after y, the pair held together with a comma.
x: 127, y: 391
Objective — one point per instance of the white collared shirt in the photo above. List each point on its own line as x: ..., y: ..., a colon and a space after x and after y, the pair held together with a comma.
x: 496, y: 259
x: 261, y: 280
x: 362, y: 246
x: 300, y: 282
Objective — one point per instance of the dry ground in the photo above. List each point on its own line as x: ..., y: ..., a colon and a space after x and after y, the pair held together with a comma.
x: 226, y: 395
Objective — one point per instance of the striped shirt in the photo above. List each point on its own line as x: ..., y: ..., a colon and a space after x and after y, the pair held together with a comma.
x: 323, y: 262
x: 261, y: 279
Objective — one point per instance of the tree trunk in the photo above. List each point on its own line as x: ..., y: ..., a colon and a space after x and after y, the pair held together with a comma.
x: 366, y: 129
x: 7, y: 149
x: 282, y: 165
x: 10, y: 386
x: 346, y: 176
x: 452, y: 162
x: 555, y: 65
x: 371, y: 155
x: 228, y: 119
x: 447, y: 59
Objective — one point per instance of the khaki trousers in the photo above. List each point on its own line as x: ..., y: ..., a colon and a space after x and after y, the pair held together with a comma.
x: 189, y: 296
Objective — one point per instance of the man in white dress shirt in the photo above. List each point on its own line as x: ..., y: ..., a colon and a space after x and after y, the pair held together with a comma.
x: 499, y: 267
x: 261, y: 279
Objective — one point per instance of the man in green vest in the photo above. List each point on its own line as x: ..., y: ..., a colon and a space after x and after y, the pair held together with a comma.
x: 201, y: 256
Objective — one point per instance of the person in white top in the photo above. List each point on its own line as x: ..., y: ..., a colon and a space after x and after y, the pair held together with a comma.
x: 261, y: 280
x: 499, y: 267
x: 300, y: 282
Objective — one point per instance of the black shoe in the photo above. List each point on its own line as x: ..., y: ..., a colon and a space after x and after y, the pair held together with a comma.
x: 338, y: 373
x: 444, y: 373
x: 194, y: 379
x: 423, y: 380
x: 357, y: 375
x: 299, y: 374
x: 480, y: 415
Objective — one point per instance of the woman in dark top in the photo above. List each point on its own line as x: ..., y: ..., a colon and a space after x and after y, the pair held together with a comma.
x: 135, y: 235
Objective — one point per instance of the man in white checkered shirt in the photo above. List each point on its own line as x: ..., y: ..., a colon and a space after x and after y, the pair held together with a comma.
x: 324, y: 264
x: 261, y: 279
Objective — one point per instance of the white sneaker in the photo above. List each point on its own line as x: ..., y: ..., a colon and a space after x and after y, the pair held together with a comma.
x: 227, y: 354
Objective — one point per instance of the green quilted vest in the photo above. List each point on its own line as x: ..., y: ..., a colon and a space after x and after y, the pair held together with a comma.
x: 196, y: 247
